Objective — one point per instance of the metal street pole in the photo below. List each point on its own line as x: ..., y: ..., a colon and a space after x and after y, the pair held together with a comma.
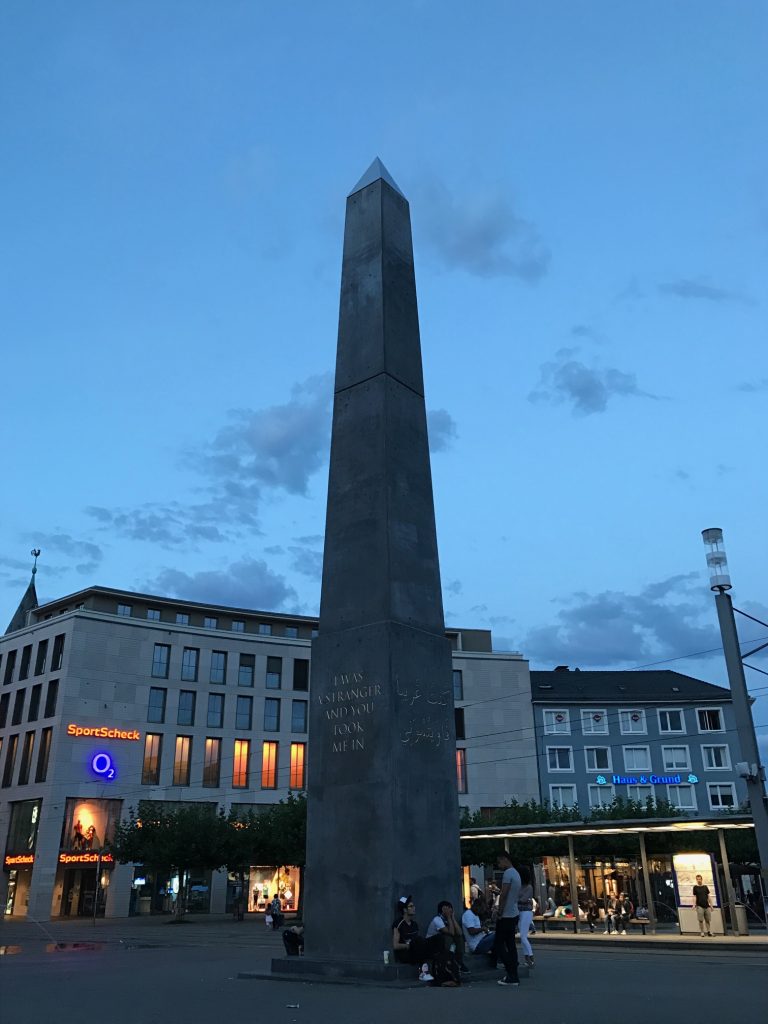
x: 649, y: 893
x: 752, y: 771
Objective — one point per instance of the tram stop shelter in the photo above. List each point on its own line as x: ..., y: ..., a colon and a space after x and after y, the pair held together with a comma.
x: 639, y: 827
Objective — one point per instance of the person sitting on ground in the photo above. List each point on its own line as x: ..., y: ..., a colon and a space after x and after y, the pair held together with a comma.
x: 593, y: 915
x: 477, y: 938
x: 293, y: 939
x: 409, y: 947
x: 444, y: 923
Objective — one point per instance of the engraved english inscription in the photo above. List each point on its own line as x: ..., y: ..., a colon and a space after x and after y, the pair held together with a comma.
x: 347, y: 706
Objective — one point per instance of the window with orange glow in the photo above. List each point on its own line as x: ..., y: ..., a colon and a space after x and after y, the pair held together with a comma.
x: 212, y: 762
x: 242, y: 759
x: 181, y: 760
x: 150, y: 770
x: 461, y: 770
x: 297, y: 765
x: 269, y: 765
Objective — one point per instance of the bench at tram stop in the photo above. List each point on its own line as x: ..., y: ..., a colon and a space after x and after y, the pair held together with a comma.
x: 567, y: 922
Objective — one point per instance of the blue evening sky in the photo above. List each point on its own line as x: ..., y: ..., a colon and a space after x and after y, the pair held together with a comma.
x: 589, y: 199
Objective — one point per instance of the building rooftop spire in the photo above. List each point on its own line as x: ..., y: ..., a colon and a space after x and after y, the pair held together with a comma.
x: 28, y: 601
x: 375, y: 171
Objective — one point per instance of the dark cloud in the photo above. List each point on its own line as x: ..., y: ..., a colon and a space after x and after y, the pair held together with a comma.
x: 481, y: 233
x: 586, y: 332
x: 248, y: 583
x: 587, y: 389
x: 312, y: 539
x: 615, y: 628
x: 441, y: 428
x: 306, y: 560
x: 753, y: 386
x: 453, y: 588
x: 86, y: 555
x: 686, y: 288
x: 173, y: 524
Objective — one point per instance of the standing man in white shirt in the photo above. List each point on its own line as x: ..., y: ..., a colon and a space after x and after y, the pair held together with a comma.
x: 504, y: 948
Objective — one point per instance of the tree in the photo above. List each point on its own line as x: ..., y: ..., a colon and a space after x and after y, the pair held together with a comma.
x: 165, y: 837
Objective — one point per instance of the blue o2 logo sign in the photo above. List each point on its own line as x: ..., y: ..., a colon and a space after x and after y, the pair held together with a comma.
x: 103, y: 765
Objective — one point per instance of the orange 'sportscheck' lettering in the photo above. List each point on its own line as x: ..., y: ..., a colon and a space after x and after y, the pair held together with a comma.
x: 85, y: 858
x: 103, y: 732
x: 18, y: 860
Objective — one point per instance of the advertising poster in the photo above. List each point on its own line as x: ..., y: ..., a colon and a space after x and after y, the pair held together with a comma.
x: 686, y: 867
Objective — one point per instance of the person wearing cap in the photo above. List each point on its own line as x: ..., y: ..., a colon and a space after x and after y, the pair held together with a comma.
x: 409, y: 947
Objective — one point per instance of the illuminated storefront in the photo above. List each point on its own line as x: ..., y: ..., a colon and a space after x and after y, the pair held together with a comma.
x: 19, y: 856
x: 264, y: 881
x: 84, y: 868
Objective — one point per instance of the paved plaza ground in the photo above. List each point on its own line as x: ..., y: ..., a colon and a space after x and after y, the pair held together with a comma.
x: 143, y: 971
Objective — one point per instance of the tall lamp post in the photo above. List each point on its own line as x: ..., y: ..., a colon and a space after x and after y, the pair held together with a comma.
x: 750, y: 769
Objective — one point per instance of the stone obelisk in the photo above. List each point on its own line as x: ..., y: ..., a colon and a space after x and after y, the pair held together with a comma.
x: 382, y: 798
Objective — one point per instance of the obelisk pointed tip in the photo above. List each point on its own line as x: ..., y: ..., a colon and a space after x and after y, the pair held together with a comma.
x: 375, y: 171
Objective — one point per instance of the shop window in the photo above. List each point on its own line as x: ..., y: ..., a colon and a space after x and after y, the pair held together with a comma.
x: 461, y: 770
x: 683, y: 797
x: 153, y: 614
x: 22, y: 832
x: 215, y: 718
x: 210, y: 622
x: 161, y: 660
x: 26, y: 658
x: 125, y: 610
x: 274, y: 673
x: 598, y: 759
x: 153, y: 749
x: 709, y: 719
x: 291, y: 632
x: 298, y: 716
x: 458, y: 684
x: 298, y: 757
x: 10, y: 760
x: 238, y: 626
x: 190, y: 658
x: 212, y: 762
x: 671, y: 720
x: 560, y: 759
x: 34, y: 702
x: 18, y: 707
x: 301, y: 674
x: 182, y: 759
x: 265, y: 629
x: 89, y: 824
x: 632, y: 722
x: 4, y: 702
x: 10, y: 665
x: 156, y: 705
x: 186, y: 711
x: 26, y: 758
x: 57, y: 657
x: 716, y: 757
x: 675, y: 759
x: 722, y: 795
x: 562, y: 796
x: 594, y: 721
x: 246, y: 670
x: 557, y: 722
x: 51, y: 697
x: 41, y: 657
x: 218, y: 667
x: 241, y: 764
x: 271, y: 715
x: 640, y: 793
x: 600, y: 796
x: 269, y: 765
x: 637, y: 759
x: 43, y: 755
x: 244, y: 714
x: 182, y: 619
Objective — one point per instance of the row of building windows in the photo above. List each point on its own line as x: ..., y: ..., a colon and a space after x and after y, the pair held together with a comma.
x: 27, y: 754
x: 211, y: 777
x: 632, y: 721
x: 721, y: 795
x: 714, y: 756
x: 212, y: 622
x: 33, y: 709
x: 25, y: 661
x: 218, y: 668
x: 187, y: 707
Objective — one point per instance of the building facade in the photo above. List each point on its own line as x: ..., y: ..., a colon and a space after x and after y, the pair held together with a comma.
x: 111, y: 697
x: 635, y: 735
